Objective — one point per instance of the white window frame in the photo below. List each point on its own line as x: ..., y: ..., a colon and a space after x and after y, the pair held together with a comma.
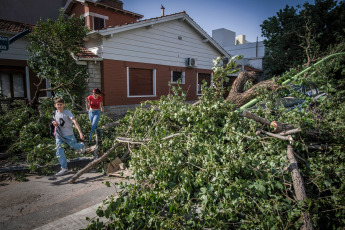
x: 197, y: 85
x: 183, y: 77
x: 93, y: 15
x: 154, y: 85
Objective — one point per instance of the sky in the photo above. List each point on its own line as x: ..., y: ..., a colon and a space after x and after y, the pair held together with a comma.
x: 241, y: 16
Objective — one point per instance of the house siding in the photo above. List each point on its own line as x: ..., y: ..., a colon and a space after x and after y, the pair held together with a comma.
x: 115, y: 81
x: 161, y: 45
x: 17, y: 50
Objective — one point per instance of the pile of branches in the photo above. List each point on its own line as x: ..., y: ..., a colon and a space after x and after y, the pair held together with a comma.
x: 208, y: 165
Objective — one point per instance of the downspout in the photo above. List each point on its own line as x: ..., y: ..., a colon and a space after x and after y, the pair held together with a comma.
x: 254, y: 101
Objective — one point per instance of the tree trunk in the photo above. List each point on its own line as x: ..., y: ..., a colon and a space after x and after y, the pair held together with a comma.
x: 298, y: 187
x: 239, y: 96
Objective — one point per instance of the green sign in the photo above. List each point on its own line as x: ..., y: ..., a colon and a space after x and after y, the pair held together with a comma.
x: 4, y: 43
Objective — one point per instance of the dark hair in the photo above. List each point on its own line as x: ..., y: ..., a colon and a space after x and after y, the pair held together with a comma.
x: 98, y: 91
x: 59, y: 100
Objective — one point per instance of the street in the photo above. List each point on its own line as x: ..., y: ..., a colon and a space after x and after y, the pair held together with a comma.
x: 44, y: 199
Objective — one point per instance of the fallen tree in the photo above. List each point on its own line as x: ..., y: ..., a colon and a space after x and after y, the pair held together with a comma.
x: 221, y: 170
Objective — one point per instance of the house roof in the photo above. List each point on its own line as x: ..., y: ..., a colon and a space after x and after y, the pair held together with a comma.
x: 14, y: 27
x: 150, y: 22
x: 86, y: 54
x: 249, y: 68
x: 108, y: 4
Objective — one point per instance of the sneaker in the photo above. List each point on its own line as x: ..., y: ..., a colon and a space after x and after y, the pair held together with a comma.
x: 62, y: 172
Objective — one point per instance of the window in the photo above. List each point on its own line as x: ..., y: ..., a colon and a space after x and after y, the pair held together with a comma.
x: 98, y: 23
x: 176, y: 76
x: 12, y: 83
x: 141, y: 82
x: 203, y: 77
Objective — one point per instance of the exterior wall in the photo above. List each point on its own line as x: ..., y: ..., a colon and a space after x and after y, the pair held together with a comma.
x: 248, y: 50
x: 255, y: 62
x: 115, y: 17
x: 17, y: 50
x: 167, y: 43
x: 224, y: 37
x: 114, y: 84
x: 79, y: 9
x: 95, y: 76
x: 253, y: 52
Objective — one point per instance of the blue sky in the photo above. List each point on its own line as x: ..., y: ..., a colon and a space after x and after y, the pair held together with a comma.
x: 240, y: 16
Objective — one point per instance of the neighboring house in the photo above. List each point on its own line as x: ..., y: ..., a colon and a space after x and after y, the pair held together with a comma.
x: 253, y: 52
x: 129, y: 59
x: 16, y: 79
x: 140, y: 58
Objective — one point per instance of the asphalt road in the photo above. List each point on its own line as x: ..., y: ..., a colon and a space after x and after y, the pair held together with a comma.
x: 45, y: 202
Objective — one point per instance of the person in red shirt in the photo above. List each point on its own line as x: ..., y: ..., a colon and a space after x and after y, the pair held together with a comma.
x: 94, y: 104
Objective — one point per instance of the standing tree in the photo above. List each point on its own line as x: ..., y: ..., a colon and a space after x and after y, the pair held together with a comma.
x: 301, y: 35
x: 52, y: 50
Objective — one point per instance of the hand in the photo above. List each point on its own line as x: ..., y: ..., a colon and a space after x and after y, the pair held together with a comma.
x: 55, y: 123
x: 82, y: 136
x: 102, y: 109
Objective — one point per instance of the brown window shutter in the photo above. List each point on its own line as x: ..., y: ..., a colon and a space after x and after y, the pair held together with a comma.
x: 140, y: 82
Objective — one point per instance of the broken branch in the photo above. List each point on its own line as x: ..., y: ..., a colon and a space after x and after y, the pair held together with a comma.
x: 93, y: 163
x: 285, y: 138
x: 252, y: 116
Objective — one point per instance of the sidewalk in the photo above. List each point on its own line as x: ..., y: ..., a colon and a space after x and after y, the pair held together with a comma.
x: 74, y: 221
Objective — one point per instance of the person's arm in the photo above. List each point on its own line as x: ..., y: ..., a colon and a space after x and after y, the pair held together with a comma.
x: 102, y: 107
x: 87, y: 103
x: 78, y: 128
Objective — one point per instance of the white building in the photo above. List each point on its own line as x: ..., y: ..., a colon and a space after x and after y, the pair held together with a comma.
x: 253, y: 52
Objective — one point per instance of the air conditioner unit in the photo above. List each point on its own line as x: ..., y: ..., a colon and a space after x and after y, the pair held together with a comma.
x: 191, y: 62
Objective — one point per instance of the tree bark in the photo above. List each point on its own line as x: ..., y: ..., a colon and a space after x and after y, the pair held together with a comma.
x: 280, y: 127
x: 298, y: 187
x: 252, y: 116
x: 93, y: 163
x: 239, y: 96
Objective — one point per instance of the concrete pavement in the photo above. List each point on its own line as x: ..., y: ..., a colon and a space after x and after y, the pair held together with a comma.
x: 45, y: 202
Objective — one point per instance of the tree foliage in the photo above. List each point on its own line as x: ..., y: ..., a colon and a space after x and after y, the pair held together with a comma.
x: 218, y: 173
x: 299, y: 36
x: 52, y: 47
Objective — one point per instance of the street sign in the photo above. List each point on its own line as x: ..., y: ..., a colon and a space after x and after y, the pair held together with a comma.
x: 4, y: 44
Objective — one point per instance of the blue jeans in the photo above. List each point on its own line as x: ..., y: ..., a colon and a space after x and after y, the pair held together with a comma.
x: 94, y: 116
x: 60, y: 152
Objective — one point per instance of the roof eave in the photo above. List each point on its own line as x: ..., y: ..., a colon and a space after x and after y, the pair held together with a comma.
x: 90, y: 59
x: 68, y: 6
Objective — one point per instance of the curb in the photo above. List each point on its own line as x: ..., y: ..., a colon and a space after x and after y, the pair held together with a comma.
x: 74, y: 221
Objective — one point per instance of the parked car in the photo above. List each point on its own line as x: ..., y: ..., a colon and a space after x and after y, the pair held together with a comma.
x: 293, y: 96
